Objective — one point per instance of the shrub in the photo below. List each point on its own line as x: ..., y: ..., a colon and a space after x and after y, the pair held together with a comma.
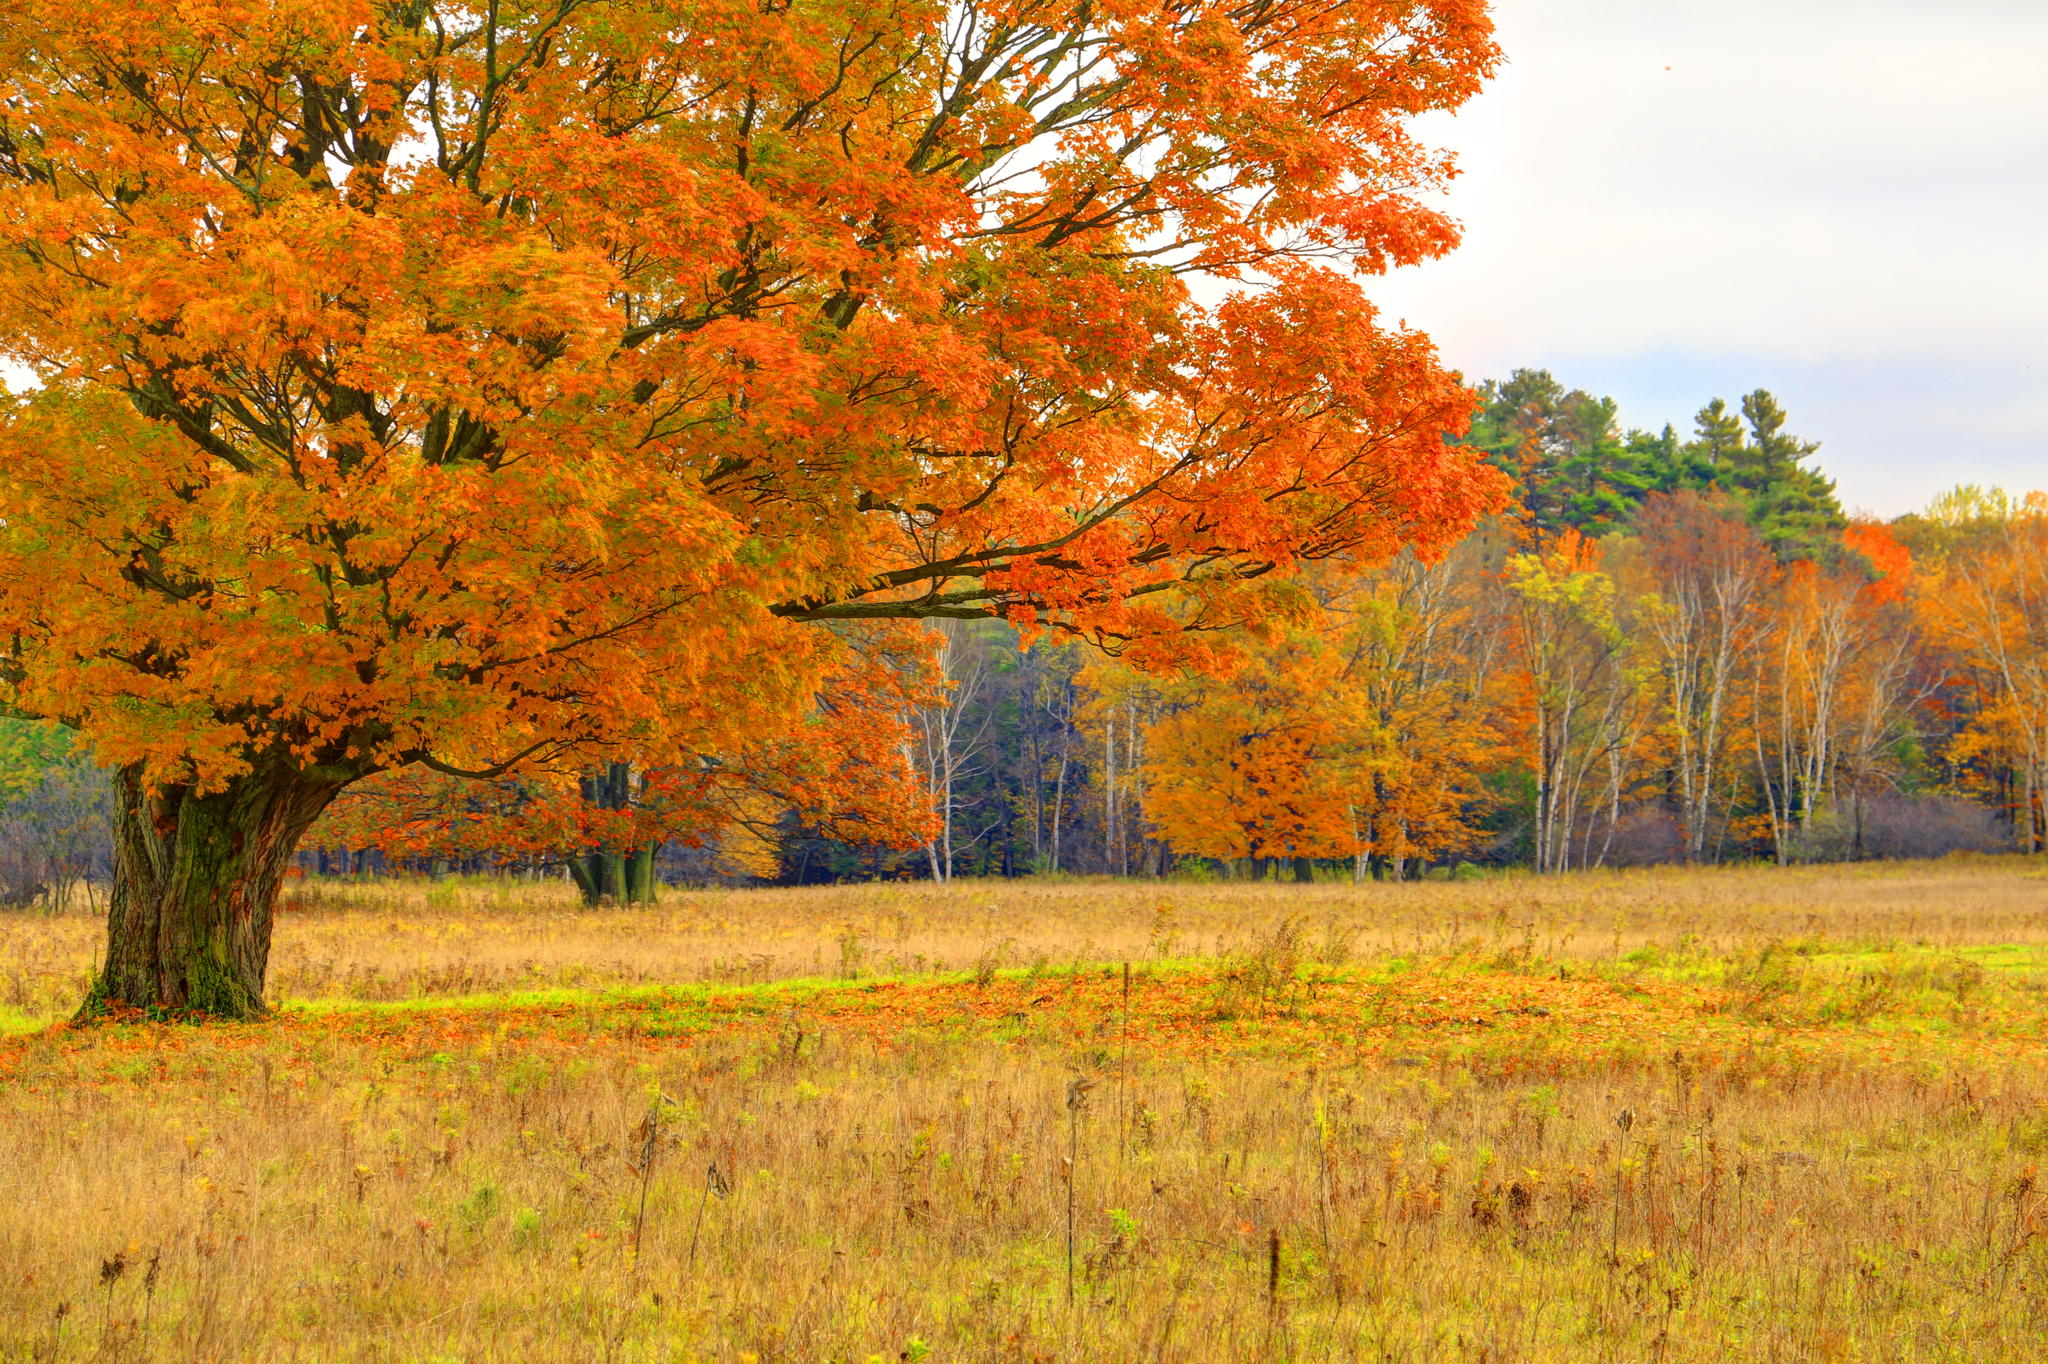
x: 1891, y: 825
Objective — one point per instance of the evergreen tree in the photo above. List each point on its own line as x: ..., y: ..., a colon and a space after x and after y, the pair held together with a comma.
x: 1663, y: 462
x: 1792, y: 506
x: 1574, y: 470
x: 1758, y: 465
x: 1564, y: 450
x: 1717, y: 443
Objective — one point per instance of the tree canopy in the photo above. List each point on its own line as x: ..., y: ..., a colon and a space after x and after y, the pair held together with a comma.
x: 1575, y: 470
x: 478, y: 385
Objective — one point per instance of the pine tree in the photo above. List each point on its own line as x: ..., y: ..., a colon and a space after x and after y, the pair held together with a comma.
x: 1793, y: 507
x: 1564, y: 450
x: 1718, y: 440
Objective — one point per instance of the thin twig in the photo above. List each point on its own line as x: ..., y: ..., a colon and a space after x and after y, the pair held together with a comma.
x: 1077, y: 1099
x: 1123, y: 1068
x: 714, y: 1183
x: 649, y: 1146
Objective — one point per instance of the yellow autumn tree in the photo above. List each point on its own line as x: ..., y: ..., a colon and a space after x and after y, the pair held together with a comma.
x: 1986, y: 601
x: 1585, y: 697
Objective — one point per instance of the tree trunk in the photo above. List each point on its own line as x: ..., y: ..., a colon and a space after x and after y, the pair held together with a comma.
x: 596, y: 875
x: 195, y: 881
x: 611, y: 876
x: 640, y: 875
x: 608, y: 875
x: 613, y: 863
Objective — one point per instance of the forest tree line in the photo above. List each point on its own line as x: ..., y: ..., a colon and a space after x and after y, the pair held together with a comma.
x: 1664, y: 650
x: 1660, y: 649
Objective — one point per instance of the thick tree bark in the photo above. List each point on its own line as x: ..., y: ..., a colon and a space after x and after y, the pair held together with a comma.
x: 640, y: 875
x: 195, y: 882
x: 607, y: 875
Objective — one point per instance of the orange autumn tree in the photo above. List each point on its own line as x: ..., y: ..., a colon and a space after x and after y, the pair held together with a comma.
x: 1363, y: 732
x: 493, y: 386
x: 1257, y: 763
x: 1423, y: 686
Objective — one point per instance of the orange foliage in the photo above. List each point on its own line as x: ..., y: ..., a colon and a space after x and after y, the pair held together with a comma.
x: 402, y: 406
x: 1251, y: 765
x: 1834, y: 667
x: 843, y: 771
x: 513, y: 386
x: 1987, y: 603
x: 1890, y: 561
x: 1363, y: 733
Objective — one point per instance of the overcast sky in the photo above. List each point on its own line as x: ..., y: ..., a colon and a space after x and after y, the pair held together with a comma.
x: 1843, y: 201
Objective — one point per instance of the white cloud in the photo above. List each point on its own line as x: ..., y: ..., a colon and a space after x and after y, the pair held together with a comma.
x: 1817, y: 194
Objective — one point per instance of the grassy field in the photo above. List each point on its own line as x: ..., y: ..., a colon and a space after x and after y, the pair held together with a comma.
x: 1731, y: 1115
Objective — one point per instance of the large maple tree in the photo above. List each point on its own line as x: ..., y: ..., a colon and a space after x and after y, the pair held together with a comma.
x: 519, y: 381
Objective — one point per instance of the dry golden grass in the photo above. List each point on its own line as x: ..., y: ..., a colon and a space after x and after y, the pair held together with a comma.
x: 1709, y: 1116
x: 386, y: 940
